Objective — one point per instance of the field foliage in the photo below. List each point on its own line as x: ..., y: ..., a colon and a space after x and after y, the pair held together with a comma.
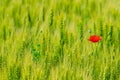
x: 48, y: 40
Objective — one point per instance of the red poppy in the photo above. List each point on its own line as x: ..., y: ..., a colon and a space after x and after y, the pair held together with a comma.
x: 94, y: 38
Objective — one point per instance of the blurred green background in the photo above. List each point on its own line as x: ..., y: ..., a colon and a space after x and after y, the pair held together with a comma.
x: 48, y: 40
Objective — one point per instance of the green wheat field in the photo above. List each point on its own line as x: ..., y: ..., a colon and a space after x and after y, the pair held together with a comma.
x: 48, y: 40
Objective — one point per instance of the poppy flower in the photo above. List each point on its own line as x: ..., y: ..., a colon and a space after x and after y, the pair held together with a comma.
x: 94, y: 38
